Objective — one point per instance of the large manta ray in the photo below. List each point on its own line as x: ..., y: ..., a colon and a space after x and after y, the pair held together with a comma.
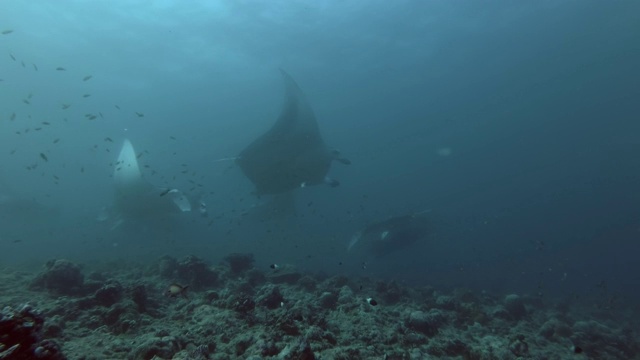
x: 138, y: 199
x: 292, y: 153
x: 383, y: 237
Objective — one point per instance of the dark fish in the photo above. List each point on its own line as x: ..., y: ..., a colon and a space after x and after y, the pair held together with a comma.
x: 12, y: 57
x: 46, y: 123
x: 87, y: 78
x: 86, y: 95
x: 12, y: 117
x: 139, y: 114
x: 172, y: 138
x: 82, y: 169
x: 60, y: 68
x: 26, y: 101
x: 35, y: 67
x: 7, y: 32
x: 22, y: 63
x: 56, y: 141
x: 65, y: 106
x: 108, y: 139
x: 117, y: 107
x: 92, y: 117
x: 17, y: 241
x: 44, y: 157
x: 174, y: 290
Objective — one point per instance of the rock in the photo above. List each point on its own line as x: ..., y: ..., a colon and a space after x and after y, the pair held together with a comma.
x: 426, y: 323
x: 515, y: 306
x: 270, y: 297
x: 194, y: 272
x: 109, y: 294
x: 139, y: 296
x: 328, y: 300
x: 61, y: 277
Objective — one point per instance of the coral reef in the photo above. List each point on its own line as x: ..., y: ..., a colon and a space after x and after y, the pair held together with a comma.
x: 280, y: 313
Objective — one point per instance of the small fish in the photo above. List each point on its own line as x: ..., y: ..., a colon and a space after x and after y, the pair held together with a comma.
x: 37, y: 129
x: 86, y: 95
x: 92, y: 117
x: 12, y: 117
x: 7, y: 32
x: 65, y: 106
x: 56, y: 177
x: 44, y: 157
x: 17, y: 241
x: 35, y: 67
x: 12, y: 152
x: 99, y: 113
x: 372, y: 301
x: 117, y: 107
x: 12, y: 57
x: 46, y: 123
x: 172, y: 138
x: 60, y: 68
x: 82, y: 169
x: 26, y: 101
x: 87, y: 78
x: 29, y: 96
x: 139, y: 114
x: 139, y: 155
x: 22, y: 63
x: 174, y: 290
x: 165, y: 192
x: 108, y: 139
x: 56, y: 141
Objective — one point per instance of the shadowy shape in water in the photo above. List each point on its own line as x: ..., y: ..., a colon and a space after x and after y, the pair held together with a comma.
x: 138, y: 199
x: 383, y: 237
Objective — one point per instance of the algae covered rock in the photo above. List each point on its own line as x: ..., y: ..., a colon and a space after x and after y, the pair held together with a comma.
x: 60, y: 277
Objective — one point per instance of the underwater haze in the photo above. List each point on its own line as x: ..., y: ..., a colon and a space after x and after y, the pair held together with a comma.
x: 512, y: 126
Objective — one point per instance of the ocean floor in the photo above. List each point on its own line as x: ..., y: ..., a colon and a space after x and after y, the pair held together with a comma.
x: 188, y: 309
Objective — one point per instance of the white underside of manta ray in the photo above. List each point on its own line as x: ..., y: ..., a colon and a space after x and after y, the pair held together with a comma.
x: 138, y: 199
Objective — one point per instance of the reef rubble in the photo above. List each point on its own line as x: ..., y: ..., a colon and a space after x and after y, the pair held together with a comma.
x: 235, y: 311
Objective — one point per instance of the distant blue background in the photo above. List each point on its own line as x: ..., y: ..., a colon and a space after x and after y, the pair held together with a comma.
x: 514, y: 123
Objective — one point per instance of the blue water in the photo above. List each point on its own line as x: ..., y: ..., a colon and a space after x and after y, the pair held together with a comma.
x: 513, y: 124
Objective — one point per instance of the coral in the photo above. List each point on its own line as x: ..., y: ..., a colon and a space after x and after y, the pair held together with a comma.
x: 21, y: 336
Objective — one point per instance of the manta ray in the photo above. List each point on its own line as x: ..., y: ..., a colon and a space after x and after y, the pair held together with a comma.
x: 386, y: 236
x: 292, y: 153
x: 135, y: 197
